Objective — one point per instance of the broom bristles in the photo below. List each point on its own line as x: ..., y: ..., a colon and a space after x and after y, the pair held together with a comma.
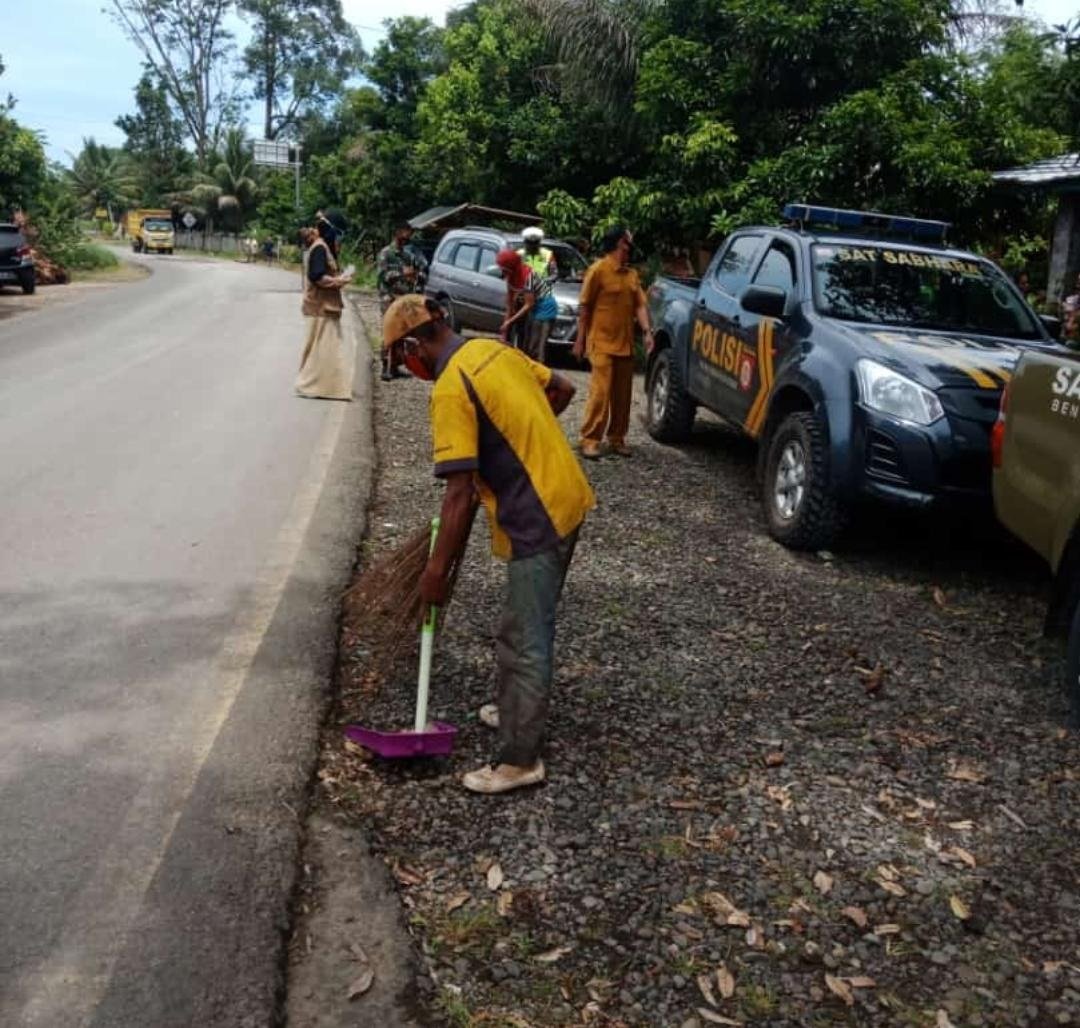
x: 386, y: 597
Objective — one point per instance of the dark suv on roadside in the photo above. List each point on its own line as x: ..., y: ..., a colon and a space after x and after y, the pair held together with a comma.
x: 16, y: 260
x: 464, y: 278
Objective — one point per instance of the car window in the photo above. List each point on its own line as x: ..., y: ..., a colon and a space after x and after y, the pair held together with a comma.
x: 777, y: 269
x: 891, y: 285
x: 487, y: 257
x: 733, y: 271
x: 445, y: 254
x: 466, y: 255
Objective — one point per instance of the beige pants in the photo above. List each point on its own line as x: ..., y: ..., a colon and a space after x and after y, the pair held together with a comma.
x: 607, y: 409
x: 326, y: 371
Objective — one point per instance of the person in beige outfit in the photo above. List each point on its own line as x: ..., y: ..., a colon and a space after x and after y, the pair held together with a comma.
x: 326, y: 372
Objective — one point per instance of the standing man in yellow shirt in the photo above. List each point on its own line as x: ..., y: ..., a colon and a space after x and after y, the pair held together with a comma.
x: 495, y: 435
x: 611, y: 301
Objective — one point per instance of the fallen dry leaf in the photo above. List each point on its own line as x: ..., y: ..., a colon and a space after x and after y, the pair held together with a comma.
x: 887, y: 929
x: 459, y: 899
x: 408, y: 875
x: 861, y: 982
x: 553, y: 954
x: 361, y: 983
x: 725, y: 982
x: 856, y: 914
x: 942, y: 1020
x: 823, y: 883
x: 965, y: 773
x: 494, y: 877
x: 1015, y: 818
x: 874, y: 680
x: 959, y: 908
x: 838, y: 987
x: 774, y: 758
x: 688, y: 907
x: 893, y: 888
x: 962, y: 826
x: 714, y: 1018
x: 725, y: 911
x: 940, y: 598
x: 504, y: 903
x: 704, y: 983
x: 960, y: 854
x: 887, y: 872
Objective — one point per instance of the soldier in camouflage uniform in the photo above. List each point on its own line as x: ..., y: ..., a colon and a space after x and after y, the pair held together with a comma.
x: 401, y: 269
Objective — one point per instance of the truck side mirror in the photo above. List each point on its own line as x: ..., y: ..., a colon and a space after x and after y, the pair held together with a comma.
x: 770, y: 301
x: 1052, y: 325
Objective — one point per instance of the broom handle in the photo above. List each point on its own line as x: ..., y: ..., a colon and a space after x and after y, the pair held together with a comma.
x: 427, y: 644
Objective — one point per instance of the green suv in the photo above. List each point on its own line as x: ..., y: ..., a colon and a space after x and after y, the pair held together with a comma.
x: 1036, y: 454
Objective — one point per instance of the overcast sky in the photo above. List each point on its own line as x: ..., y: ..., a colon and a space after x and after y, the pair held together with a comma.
x: 73, y: 72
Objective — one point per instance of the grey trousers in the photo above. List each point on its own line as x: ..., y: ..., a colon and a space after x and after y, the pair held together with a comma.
x: 536, y: 337
x: 525, y: 650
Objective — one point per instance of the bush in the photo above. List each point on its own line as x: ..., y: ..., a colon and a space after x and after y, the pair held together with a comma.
x: 84, y: 256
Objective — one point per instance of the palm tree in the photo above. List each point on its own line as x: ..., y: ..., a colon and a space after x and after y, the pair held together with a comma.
x: 101, y: 177
x: 230, y: 191
x: 597, y: 44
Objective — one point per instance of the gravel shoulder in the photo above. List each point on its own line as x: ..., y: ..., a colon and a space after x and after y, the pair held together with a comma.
x: 783, y: 790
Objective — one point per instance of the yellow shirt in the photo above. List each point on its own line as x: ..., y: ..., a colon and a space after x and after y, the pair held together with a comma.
x: 491, y: 416
x: 611, y: 293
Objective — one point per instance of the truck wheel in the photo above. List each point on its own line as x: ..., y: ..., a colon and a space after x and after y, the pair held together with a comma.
x: 799, y: 509
x: 1072, y: 670
x: 670, y: 409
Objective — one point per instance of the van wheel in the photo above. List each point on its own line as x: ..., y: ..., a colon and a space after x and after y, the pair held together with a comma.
x: 670, y: 410
x: 1072, y: 670
x: 800, y: 511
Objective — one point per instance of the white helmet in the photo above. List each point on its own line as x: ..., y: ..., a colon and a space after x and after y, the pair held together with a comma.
x: 532, y: 233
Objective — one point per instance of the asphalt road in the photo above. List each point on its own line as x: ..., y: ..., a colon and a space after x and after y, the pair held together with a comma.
x: 175, y: 529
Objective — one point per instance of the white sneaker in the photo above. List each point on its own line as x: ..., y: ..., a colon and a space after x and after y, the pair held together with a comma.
x: 503, y: 778
x: 489, y: 715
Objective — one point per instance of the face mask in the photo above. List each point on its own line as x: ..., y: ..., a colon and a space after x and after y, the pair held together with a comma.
x: 415, y: 363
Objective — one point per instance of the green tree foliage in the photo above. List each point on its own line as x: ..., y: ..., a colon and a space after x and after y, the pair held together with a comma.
x: 225, y: 198
x: 154, y: 144
x: 101, y: 176
x: 300, y: 54
x: 22, y: 160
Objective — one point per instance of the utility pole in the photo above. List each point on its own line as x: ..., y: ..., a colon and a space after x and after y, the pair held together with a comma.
x: 297, y: 166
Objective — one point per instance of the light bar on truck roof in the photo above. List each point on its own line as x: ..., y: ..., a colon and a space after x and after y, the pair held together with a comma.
x: 868, y: 222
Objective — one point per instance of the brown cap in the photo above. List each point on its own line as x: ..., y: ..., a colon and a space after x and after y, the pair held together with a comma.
x: 404, y: 316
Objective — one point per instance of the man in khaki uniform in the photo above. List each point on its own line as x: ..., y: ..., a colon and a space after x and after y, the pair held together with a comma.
x: 611, y: 300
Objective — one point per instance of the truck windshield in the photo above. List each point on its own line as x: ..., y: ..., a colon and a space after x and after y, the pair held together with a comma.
x: 157, y: 226
x: 885, y: 285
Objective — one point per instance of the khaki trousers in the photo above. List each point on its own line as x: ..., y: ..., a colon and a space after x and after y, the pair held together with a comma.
x: 611, y: 387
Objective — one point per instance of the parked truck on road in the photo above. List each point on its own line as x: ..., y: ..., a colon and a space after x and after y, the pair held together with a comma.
x: 150, y: 231
x: 1036, y: 453
x: 864, y: 355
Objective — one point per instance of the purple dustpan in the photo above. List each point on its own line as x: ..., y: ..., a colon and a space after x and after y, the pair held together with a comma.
x: 436, y: 741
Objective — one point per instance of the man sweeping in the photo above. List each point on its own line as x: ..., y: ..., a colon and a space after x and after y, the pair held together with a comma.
x: 495, y: 436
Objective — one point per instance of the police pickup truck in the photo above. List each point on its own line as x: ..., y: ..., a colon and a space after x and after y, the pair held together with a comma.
x: 866, y: 357
x: 1036, y: 453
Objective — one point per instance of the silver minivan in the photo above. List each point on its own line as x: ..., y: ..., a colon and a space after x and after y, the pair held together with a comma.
x: 465, y: 279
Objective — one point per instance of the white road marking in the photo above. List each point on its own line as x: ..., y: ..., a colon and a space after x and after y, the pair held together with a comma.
x: 66, y: 988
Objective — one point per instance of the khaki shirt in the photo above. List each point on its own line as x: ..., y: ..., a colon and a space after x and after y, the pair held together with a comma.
x: 611, y: 293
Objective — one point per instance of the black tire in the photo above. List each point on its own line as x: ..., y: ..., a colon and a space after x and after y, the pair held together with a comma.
x: 1072, y: 670
x: 805, y: 515
x: 670, y: 410
x: 28, y: 282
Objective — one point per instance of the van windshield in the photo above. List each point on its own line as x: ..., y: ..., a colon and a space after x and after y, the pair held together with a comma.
x: 888, y: 285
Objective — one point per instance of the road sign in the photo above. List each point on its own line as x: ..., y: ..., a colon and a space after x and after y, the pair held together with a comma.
x: 189, y: 220
x: 270, y: 153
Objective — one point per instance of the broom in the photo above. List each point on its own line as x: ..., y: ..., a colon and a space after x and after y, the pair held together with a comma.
x: 387, y: 594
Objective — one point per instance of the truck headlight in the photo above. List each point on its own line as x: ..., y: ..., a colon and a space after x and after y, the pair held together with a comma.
x: 887, y: 391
